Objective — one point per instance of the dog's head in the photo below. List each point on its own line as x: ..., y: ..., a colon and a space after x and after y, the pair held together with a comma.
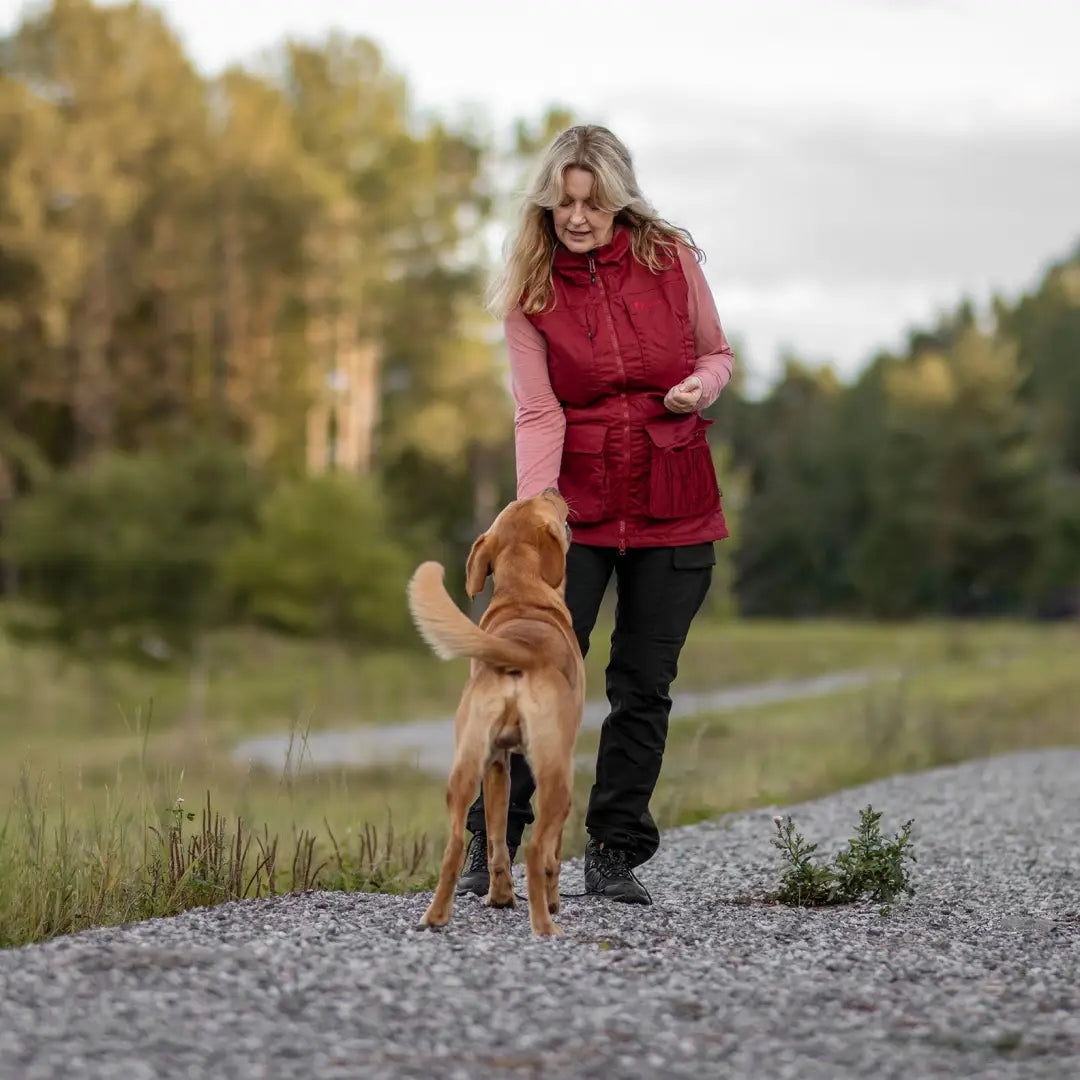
x: 538, y: 525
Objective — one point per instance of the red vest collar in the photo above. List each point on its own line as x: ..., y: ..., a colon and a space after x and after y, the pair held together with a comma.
x: 613, y: 251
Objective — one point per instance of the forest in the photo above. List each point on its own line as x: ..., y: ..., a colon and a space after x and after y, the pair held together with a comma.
x: 246, y: 376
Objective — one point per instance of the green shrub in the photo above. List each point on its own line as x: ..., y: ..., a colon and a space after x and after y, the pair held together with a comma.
x: 129, y: 544
x: 869, y: 866
x: 322, y: 563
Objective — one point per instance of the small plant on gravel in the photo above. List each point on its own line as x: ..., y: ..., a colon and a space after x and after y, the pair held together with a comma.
x: 871, y: 866
x: 806, y: 883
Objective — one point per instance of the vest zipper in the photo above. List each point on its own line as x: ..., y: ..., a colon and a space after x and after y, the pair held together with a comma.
x: 626, y: 405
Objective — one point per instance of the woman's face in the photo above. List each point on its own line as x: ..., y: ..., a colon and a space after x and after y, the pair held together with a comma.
x: 579, y: 225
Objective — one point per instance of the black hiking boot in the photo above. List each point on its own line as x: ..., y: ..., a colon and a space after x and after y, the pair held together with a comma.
x: 475, y: 877
x: 607, y: 873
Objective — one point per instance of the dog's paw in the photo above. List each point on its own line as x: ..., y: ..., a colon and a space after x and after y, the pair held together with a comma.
x: 548, y: 930
x: 501, y: 901
x: 432, y: 920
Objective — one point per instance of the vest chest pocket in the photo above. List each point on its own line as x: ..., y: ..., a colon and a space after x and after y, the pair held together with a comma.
x: 661, y: 339
x: 583, y: 475
x: 682, y: 480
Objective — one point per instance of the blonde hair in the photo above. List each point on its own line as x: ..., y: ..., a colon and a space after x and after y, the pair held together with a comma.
x: 526, y: 278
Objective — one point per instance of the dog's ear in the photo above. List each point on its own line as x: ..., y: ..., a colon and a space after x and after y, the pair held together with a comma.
x: 552, y: 555
x: 477, y: 567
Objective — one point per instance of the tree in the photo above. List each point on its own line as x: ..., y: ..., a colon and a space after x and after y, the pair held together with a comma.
x: 114, y: 115
x: 1045, y: 327
x: 956, y: 485
x: 791, y: 553
x: 323, y: 562
x: 129, y: 545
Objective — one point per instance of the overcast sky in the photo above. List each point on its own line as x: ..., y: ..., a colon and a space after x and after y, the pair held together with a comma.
x: 850, y: 166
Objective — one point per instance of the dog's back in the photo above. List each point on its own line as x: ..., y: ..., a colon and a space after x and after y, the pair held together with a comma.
x: 524, y: 651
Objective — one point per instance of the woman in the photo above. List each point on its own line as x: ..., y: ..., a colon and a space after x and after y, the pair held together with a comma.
x: 615, y: 347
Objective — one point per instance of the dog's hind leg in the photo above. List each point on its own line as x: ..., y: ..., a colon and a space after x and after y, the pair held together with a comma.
x: 553, y: 881
x: 496, y: 801
x: 553, y: 798
x: 562, y: 797
x: 460, y: 792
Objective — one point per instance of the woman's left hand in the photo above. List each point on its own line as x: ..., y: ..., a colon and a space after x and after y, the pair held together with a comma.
x: 684, y: 397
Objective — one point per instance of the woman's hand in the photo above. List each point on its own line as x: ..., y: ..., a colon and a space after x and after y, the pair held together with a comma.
x: 684, y: 397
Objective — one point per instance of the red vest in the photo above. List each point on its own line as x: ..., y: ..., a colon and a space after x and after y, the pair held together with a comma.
x: 618, y: 338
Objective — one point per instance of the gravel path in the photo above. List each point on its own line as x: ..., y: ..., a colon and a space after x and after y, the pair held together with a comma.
x: 978, y: 976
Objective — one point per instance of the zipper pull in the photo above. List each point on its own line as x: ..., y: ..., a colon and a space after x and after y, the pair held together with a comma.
x: 592, y: 270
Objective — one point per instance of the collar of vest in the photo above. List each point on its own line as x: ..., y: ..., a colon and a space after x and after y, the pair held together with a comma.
x: 614, y: 251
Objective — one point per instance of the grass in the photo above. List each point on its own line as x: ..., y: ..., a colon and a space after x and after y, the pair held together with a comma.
x: 121, y: 864
x: 989, y: 703
x: 94, y: 834
x: 252, y: 681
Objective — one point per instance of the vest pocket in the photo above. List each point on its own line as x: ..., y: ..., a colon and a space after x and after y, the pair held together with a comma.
x: 663, y: 335
x: 583, y: 475
x: 682, y: 480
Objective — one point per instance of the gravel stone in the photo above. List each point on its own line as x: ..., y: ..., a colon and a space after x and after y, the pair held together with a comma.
x: 977, y: 976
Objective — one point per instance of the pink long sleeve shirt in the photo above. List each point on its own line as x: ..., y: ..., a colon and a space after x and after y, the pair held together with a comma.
x: 539, y: 421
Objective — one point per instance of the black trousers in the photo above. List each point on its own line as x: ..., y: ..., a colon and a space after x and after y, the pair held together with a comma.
x: 659, y: 591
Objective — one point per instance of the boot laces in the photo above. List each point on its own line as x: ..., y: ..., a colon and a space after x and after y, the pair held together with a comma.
x: 611, y: 865
x: 477, y: 853
x: 476, y: 856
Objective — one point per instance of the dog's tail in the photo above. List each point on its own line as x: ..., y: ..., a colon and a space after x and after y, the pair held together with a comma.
x: 450, y: 632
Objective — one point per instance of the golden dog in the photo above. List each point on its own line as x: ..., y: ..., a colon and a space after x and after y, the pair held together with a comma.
x: 525, y: 694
